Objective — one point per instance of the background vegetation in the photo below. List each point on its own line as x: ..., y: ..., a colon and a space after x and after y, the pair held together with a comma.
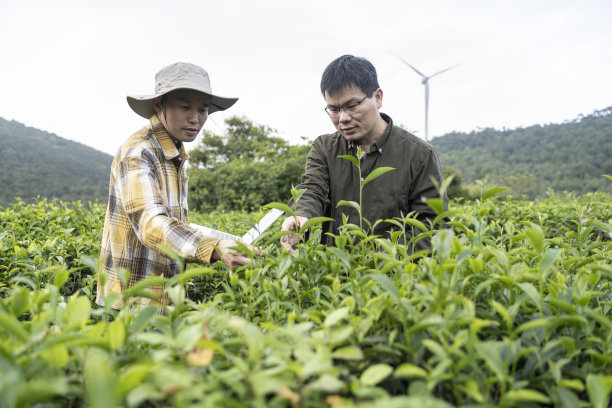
x: 34, y: 163
x: 564, y: 157
x: 249, y: 166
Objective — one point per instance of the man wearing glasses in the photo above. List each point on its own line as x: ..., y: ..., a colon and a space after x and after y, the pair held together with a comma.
x: 350, y: 87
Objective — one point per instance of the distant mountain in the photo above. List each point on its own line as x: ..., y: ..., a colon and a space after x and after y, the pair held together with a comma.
x: 37, y: 163
x: 571, y: 156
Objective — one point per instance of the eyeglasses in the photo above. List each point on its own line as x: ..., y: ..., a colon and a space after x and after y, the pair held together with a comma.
x: 351, y: 107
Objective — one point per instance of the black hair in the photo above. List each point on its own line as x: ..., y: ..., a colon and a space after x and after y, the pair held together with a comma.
x: 347, y: 71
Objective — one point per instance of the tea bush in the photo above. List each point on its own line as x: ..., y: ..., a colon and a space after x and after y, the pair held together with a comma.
x: 512, y: 307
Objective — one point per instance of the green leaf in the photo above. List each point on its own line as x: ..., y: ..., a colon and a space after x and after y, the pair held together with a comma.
x: 43, y: 391
x: 415, y: 223
x: 387, y: 284
x: 13, y: 326
x: 77, y: 311
x: 314, y: 221
x: 493, y: 191
x: 377, y: 172
x: 60, y: 277
x: 524, y: 395
x: 436, y: 204
x: 375, y: 374
x: 345, y: 203
x: 531, y: 324
x: 599, y: 387
x: 407, y: 370
x: 116, y: 334
x: 327, y: 383
x: 348, y: 353
x: 531, y: 291
x: 281, y: 206
x: 352, y: 159
x: 56, y: 357
x: 335, y: 316
x: 20, y: 300
x: 536, y: 238
x: 100, y: 377
x: 548, y: 259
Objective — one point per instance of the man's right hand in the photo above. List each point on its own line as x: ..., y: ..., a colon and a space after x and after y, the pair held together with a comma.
x: 231, y: 257
x: 291, y: 224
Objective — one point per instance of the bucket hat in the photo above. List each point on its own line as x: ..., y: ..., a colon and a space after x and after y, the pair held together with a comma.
x: 180, y: 75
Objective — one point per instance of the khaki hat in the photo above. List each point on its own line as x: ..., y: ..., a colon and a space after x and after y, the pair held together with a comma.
x: 180, y: 75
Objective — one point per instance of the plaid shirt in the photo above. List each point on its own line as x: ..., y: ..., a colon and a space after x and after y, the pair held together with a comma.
x: 147, y: 210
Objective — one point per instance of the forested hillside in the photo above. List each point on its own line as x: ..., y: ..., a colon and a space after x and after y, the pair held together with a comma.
x: 37, y: 163
x: 571, y: 156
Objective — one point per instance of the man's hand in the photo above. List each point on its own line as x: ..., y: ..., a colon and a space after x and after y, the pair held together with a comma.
x: 231, y: 257
x: 290, y: 241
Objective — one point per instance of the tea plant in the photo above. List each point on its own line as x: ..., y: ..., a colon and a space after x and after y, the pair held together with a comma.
x: 512, y: 307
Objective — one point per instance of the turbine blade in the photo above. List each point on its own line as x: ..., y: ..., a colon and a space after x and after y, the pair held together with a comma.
x: 444, y: 70
x: 415, y: 70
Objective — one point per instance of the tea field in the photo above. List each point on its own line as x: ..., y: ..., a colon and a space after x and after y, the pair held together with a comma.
x: 512, y: 308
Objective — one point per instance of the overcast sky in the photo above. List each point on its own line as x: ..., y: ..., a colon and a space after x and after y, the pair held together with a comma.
x: 67, y: 66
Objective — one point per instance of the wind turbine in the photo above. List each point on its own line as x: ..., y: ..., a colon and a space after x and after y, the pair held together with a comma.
x: 425, y: 81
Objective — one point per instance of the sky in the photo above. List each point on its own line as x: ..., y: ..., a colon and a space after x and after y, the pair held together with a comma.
x: 66, y: 67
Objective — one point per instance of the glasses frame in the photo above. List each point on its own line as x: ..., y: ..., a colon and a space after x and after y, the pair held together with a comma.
x: 346, y: 108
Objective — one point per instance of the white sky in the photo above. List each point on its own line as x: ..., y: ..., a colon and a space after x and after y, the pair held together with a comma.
x: 67, y: 66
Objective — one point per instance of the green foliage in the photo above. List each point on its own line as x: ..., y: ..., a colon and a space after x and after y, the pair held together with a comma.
x: 40, y: 241
x: 513, y: 307
x: 244, y: 169
x: 564, y: 157
x: 35, y: 164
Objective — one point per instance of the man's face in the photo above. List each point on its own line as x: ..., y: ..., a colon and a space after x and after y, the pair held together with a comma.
x: 184, y: 113
x: 359, y: 123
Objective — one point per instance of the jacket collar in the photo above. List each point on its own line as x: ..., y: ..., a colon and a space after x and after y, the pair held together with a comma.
x: 382, y: 140
x: 170, y: 147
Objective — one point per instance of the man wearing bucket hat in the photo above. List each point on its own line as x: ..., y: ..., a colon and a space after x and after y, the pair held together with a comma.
x: 146, y: 217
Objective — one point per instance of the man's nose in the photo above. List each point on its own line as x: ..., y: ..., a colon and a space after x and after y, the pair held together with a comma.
x: 344, y: 116
x: 193, y: 116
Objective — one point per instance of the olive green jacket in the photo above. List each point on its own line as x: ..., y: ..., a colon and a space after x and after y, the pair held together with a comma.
x: 329, y: 179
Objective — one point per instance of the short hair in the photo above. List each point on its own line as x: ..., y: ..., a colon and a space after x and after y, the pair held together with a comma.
x: 347, y: 71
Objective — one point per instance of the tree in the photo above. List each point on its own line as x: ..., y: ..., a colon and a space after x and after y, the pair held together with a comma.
x: 243, y: 140
x: 244, y: 169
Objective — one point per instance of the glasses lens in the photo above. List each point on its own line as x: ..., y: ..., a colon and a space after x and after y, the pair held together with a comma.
x: 332, y: 111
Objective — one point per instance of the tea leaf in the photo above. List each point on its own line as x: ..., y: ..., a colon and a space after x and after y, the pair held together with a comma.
x: 492, y: 191
x: 548, y: 259
x: 375, y: 374
x: 387, y: 284
x: 599, y: 388
x: 524, y: 395
x: 116, y: 334
x: 315, y: 221
x: 377, y: 172
x: 350, y: 158
x: 407, y: 370
x: 280, y: 206
x: 531, y: 291
x: 335, y: 316
x: 345, y: 203
x: 348, y: 353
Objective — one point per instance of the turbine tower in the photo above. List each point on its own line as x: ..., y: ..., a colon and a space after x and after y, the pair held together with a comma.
x: 425, y: 81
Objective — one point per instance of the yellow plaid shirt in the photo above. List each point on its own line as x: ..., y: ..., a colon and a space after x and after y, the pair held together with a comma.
x: 147, y: 210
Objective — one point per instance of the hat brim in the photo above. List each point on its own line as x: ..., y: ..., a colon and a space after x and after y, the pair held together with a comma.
x: 143, y: 104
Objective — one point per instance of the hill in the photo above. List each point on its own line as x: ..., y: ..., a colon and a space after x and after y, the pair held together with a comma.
x: 37, y: 163
x: 571, y: 156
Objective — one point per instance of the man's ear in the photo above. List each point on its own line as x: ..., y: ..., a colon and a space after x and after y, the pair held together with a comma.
x: 378, y: 97
x: 157, y: 105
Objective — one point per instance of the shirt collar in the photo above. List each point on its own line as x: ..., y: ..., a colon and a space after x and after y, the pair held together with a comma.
x: 170, y: 147
x: 380, y: 143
